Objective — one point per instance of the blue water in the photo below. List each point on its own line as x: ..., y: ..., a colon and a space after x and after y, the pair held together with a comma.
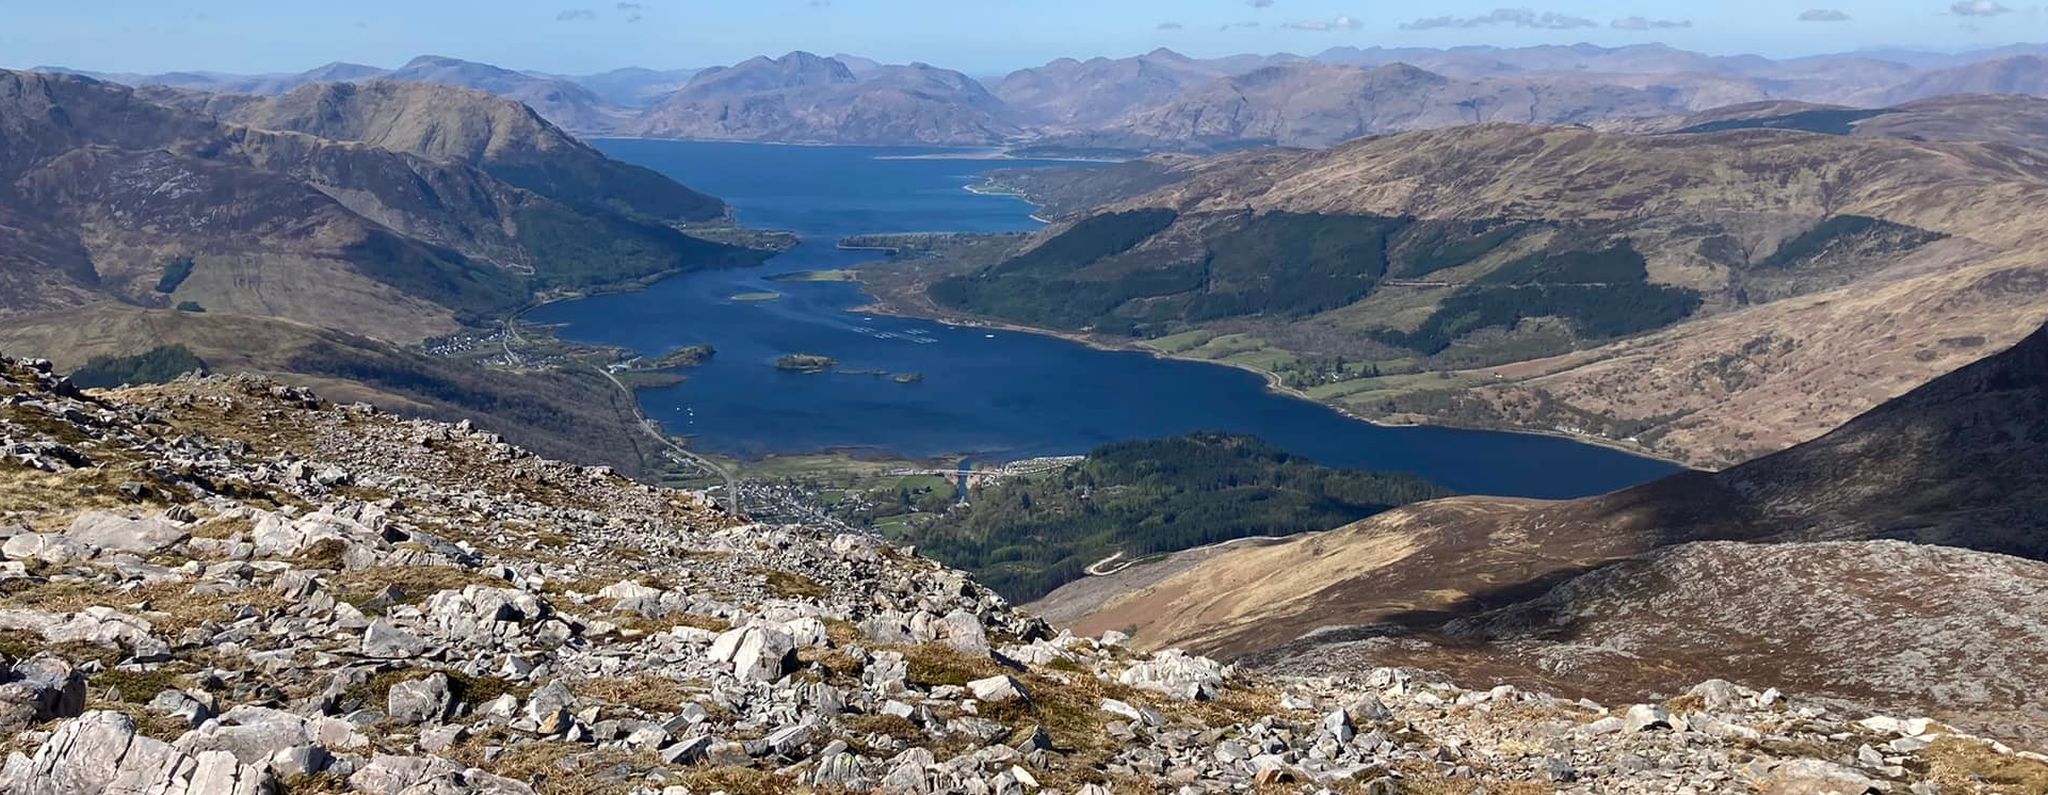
x: 990, y: 395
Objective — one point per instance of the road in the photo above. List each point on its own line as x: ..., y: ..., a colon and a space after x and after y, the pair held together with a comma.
x: 732, y: 483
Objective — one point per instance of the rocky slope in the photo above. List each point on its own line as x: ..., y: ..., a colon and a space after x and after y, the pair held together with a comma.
x: 1825, y: 594
x: 228, y: 586
x: 805, y: 98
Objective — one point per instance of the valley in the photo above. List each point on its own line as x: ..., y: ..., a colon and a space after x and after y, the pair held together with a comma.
x: 1504, y: 420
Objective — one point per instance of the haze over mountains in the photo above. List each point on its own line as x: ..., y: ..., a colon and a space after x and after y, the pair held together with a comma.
x: 1163, y: 99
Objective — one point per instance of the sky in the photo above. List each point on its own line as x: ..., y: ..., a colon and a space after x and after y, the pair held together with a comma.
x: 980, y: 37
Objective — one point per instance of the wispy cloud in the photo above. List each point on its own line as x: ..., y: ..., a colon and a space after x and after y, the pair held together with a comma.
x: 1978, y: 8
x: 631, y: 10
x: 1259, y: 3
x: 1645, y: 23
x: 1339, y: 22
x: 1238, y: 25
x: 1823, y: 15
x: 1171, y: 26
x: 576, y: 15
x: 1516, y: 17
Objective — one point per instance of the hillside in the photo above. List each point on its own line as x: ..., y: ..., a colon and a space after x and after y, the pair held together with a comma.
x: 1625, y: 286
x: 1026, y: 535
x: 2019, y: 74
x: 512, y: 142
x: 285, y: 593
x: 804, y: 98
x: 133, y: 225
x: 110, y: 189
x: 1565, y: 592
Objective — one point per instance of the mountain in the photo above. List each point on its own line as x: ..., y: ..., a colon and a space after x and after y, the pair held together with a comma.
x: 2020, y: 74
x: 232, y: 84
x: 565, y: 103
x: 634, y: 87
x: 2010, y: 119
x: 654, y: 637
x: 1307, y: 104
x: 805, y: 98
x: 1071, y: 94
x: 1803, y: 550
x: 1706, y: 297
x: 509, y: 140
x: 132, y: 225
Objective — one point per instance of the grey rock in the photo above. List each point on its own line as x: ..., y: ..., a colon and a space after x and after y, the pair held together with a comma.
x: 998, y: 689
x: 122, y: 534
x: 425, y: 700
x: 385, y: 640
x: 1644, y: 717
x: 99, y: 753
x: 961, y: 630
x: 190, y: 708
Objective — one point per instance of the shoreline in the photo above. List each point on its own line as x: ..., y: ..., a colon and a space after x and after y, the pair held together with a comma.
x: 878, y: 306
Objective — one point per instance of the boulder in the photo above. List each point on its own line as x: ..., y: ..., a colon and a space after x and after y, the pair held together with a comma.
x: 385, y: 640
x: 998, y: 689
x: 38, y: 689
x: 1177, y: 674
x: 425, y: 700
x: 50, y: 548
x: 758, y: 653
x: 122, y: 534
x: 1644, y: 717
x: 961, y: 630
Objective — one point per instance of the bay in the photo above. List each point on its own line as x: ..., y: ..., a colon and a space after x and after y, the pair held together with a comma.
x: 989, y: 395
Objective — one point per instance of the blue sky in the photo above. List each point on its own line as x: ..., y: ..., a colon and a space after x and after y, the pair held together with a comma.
x: 978, y: 36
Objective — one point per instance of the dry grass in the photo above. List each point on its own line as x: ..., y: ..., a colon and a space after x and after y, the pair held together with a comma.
x: 790, y: 585
x: 170, y: 607
x: 1957, y: 765
x: 647, y: 693
x: 568, y: 769
x: 416, y: 583
x: 739, y: 781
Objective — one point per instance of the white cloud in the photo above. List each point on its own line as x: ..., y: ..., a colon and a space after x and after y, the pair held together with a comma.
x: 1645, y: 23
x: 1823, y: 15
x: 1517, y: 17
x: 1978, y: 8
x: 1339, y: 22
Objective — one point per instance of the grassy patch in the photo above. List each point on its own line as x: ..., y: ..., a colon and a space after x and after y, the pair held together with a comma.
x: 790, y: 585
x: 1957, y: 765
x: 415, y: 583
x: 647, y: 693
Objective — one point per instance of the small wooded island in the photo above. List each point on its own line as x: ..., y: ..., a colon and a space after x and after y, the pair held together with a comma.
x: 805, y: 363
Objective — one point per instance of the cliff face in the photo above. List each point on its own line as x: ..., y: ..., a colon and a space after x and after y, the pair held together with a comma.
x: 258, y: 587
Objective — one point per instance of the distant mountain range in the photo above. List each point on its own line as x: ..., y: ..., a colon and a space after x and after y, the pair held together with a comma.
x: 1165, y: 100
